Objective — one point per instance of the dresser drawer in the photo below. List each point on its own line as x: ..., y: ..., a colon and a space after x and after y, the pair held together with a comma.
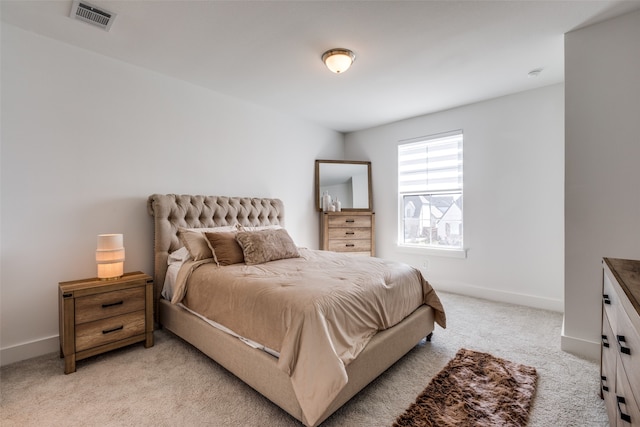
x: 627, y: 341
x: 105, y: 331
x: 350, y: 245
x: 610, y: 301
x: 350, y: 221
x: 608, y: 367
x: 627, y: 412
x: 350, y: 233
x: 108, y: 304
x: 621, y: 331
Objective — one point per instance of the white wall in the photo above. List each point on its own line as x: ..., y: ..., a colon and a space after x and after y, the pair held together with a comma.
x: 602, y: 92
x: 513, y: 196
x: 85, y: 140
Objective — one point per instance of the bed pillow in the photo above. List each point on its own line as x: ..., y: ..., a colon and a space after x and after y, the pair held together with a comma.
x: 179, y: 256
x: 257, y: 227
x: 196, y: 243
x: 266, y: 245
x: 225, y: 247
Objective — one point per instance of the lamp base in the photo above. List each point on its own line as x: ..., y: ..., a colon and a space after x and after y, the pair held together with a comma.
x: 107, y: 279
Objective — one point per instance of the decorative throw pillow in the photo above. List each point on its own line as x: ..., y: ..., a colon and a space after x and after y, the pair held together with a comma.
x: 257, y: 227
x: 225, y: 248
x: 196, y: 243
x: 266, y: 245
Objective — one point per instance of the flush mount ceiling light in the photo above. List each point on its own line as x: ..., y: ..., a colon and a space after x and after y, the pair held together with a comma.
x: 338, y: 60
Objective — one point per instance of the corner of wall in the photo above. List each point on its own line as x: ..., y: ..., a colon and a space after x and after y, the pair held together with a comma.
x: 582, y: 348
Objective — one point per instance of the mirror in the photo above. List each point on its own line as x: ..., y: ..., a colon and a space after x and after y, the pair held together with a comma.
x: 348, y: 181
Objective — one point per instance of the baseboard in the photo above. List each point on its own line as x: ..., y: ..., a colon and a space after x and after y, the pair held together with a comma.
x: 501, y: 296
x: 579, y: 347
x: 28, y: 350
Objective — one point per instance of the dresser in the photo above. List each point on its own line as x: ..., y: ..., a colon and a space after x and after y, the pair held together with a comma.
x: 348, y: 232
x: 96, y: 315
x: 620, y: 361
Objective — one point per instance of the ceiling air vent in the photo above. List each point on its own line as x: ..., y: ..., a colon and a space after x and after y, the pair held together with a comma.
x: 92, y: 15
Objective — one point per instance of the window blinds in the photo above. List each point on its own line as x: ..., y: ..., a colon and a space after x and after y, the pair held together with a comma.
x: 431, y: 165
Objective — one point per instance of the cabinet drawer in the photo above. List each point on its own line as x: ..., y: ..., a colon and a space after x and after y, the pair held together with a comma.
x: 105, y: 331
x: 350, y: 233
x: 107, y: 304
x: 350, y: 221
x: 350, y: 245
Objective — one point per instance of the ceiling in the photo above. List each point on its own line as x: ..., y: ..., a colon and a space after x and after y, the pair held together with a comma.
x: 412, y: 57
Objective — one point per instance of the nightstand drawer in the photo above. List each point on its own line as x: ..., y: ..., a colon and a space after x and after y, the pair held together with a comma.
x: 350, y: 233
x: 108, y: 304
x: 350, y: 221
x: 104, y: 331
x: 96, y: 316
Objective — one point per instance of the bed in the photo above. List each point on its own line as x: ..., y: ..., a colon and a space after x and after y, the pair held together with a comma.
x: 308, y: 383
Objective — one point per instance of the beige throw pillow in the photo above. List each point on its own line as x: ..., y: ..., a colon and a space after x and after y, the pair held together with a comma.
x: 196, y: 243
x: 225, y: 248
x: 266, y: 245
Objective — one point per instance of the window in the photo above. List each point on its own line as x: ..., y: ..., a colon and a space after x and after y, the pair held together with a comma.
x: 430, y: 192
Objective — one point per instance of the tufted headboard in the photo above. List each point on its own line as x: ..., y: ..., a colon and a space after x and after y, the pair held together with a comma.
x: 171, y: 211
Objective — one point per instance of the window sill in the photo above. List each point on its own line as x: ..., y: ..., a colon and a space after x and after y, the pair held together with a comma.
x: 447, y: 253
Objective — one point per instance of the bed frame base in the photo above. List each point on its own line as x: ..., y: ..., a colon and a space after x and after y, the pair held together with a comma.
x: 258, y: 369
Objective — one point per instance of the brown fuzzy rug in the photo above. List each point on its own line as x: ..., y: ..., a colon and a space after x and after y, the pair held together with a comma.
x: 474, y: 389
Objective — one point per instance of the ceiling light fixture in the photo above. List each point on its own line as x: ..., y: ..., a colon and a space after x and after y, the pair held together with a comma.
x: 338, y: 60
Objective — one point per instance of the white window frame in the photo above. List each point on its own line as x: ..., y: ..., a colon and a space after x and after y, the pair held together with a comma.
x: 453, y: 185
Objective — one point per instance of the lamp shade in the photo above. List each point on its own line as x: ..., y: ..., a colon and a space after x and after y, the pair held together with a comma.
x: 338, y: 60
x: 110, y: 256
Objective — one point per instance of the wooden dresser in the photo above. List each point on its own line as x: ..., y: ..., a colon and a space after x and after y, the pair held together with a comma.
x: 620, y: 362
x: 101, y: 315
x: 349, y: 232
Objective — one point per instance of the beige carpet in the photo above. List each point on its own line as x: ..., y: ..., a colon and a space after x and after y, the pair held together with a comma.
x: 172, y: 384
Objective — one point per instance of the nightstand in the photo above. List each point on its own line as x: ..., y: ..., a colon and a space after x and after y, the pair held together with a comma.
x: 101, y: 315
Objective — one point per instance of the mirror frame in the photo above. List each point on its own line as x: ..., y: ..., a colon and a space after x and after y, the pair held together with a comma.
x: 345, y: 162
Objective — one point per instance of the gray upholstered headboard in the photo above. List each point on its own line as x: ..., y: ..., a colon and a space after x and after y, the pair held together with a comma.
x: 171, y: 211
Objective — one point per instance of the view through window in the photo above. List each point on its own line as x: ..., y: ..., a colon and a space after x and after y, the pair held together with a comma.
x: 430, y: 191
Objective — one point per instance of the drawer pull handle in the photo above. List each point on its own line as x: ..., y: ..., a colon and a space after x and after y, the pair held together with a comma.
x: 350, y: 245
x: 108, y: 331
x: 621, y: 341
x: 350, y: 220
x: 605, y: 341
x: 606, y: 299
x: 112, y: 304
x: 349, y: 233
x: 602, y: 382
x: 624, y: 417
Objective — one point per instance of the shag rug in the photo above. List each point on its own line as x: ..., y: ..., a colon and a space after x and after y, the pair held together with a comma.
x: 474, y: 389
